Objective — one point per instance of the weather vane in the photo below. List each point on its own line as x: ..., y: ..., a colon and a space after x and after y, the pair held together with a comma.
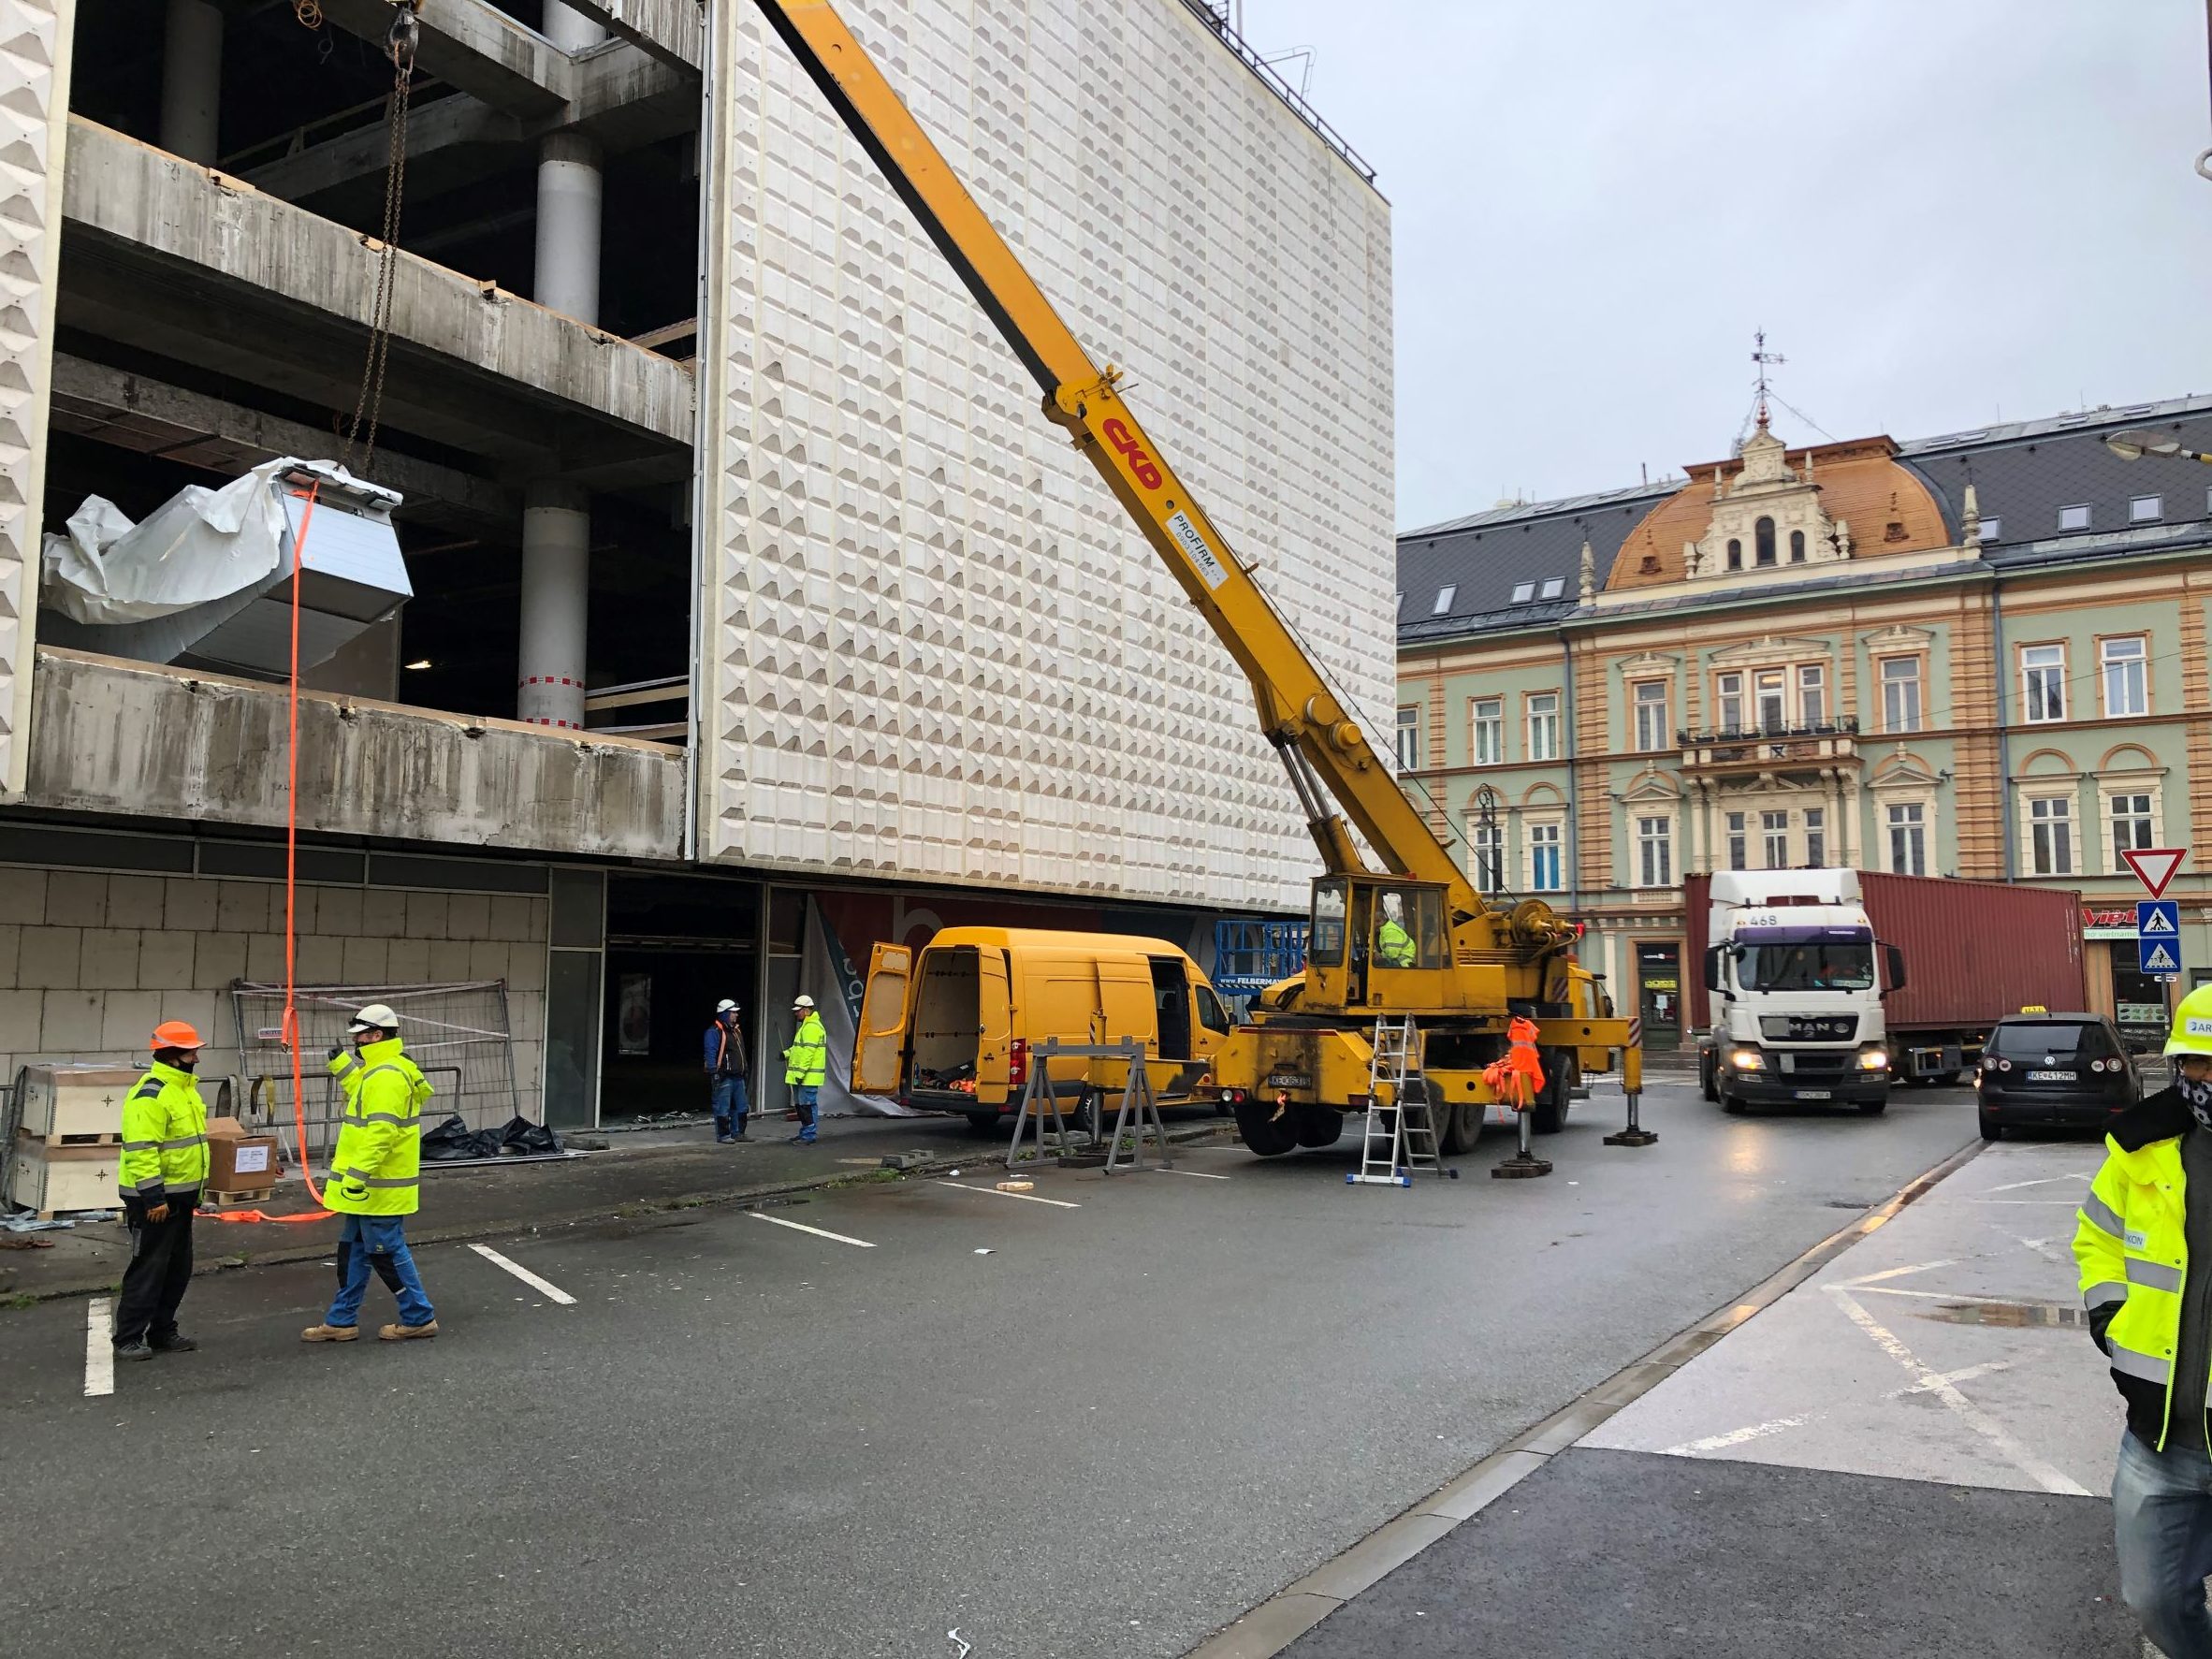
x: 1764, y: 358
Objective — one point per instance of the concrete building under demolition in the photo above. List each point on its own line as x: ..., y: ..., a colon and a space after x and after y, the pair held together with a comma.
x: 735, y: 610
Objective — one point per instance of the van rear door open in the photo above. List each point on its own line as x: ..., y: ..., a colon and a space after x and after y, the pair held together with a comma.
x: 880, y: 1044
x: 994, y: 1027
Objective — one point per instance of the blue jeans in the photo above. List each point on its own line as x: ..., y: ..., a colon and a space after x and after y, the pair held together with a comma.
x: 2162, y: 1521
x: 802, y: 1097
x: 729, y: 1105
x: 379, y: 1241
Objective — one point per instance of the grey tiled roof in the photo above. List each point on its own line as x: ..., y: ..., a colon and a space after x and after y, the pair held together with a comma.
x: 2023, y: 472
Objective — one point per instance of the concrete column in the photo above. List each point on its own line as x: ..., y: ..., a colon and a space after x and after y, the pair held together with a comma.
x: 556, y: 596
x: 192, y: 81
x: 569, y: 188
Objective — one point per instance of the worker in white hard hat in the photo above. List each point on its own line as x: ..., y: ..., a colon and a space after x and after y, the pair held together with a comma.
x: 725, y: 1073
x: 375, y: 1180
x: 2144, y: 1240
x: 805, y: 1063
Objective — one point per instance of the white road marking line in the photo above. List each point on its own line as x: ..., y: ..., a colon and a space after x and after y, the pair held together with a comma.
x: 1737, y: 1436
x: 1938, y: 1295
x: 2000, y: 1438
x: 99, y: 1349
x: 1199, y: 1174
x: 1966, y: 1375
x: 2042, y: 1248
x: 1026, y: 1197
x: 1898, y: 1272
x: 553, y: 1292
x: 2068, y: 1202
x: 2039, y: 1181
x: 802, y: 1227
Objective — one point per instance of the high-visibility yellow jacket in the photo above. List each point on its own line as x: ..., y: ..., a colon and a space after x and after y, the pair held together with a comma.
x: 805, y: 1063
x: 1393, y: 945
x: 376, y: 1167
x: 2130, y: 1241
x: 165, y: 1137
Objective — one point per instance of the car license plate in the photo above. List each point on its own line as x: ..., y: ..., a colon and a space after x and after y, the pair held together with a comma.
x: 2053, y: 1076
x: 1289, y: 1080
x: 1814, y: 1095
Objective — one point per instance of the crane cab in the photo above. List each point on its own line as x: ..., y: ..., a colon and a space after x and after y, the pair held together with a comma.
x: 1378, y: 942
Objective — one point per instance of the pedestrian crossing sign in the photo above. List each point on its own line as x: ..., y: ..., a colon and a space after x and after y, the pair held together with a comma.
x: 2158, y: 957
x: 2158, y: 918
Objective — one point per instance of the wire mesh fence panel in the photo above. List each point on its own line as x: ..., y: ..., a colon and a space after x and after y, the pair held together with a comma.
x: 459, y: 1034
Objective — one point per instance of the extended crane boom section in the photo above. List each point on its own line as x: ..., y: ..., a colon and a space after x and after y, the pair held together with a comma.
x: 1319, y: 739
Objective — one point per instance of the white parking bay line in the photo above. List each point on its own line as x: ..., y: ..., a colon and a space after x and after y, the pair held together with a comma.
x: 1026, y: 1197
x: 100, y: 1350
x: 553, y: 1292
x: 818, y: 1232
x: 1161, y: 1169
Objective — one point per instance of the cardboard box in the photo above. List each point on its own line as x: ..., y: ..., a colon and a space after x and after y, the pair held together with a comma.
x: 239, y: 1161
x: 76, y: 1100
x: 49, y: 1178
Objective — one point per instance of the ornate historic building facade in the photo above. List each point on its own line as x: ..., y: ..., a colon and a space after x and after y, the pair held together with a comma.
x: 1980, y: 655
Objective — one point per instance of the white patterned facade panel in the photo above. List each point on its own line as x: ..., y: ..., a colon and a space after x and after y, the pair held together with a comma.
x: 35, y: 36
x: 934, y: 644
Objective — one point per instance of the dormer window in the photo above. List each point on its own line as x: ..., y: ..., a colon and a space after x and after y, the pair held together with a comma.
x: 1735, y: 554
x: 1796, y: 547
x: 1554, y: 586
x: 1445, y: 595
x: 1523, y: 592
x: 1763, y: 534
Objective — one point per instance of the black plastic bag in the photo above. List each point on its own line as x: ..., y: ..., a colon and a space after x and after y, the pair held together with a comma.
x: 452, y: 1140
x: 522, y: 1137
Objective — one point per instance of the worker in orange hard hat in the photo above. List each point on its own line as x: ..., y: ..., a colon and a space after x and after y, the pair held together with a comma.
x: 163, y: 1167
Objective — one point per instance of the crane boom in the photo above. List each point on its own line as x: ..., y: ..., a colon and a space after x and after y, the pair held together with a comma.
x: 1322, y: 745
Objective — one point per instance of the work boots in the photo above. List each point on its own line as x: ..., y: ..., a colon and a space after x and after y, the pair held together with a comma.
x: 330, y: 1333
x: 408, y: 1332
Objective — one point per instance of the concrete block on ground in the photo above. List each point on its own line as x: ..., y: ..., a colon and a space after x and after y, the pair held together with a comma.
x: 110, y: 959
x: 188, y: 905
x: 905, y: 1160
x: 470, y: 916
x: 69, y: 1023
x: 219, y: 957
x: 49, y: 958
x: 137, y: 901
x: 243, y: 907
x: 23, y: 895
x: 76, y: 899
x: 165, y: 960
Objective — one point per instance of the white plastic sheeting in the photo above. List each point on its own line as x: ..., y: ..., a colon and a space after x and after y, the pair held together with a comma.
x: 829, y: 976
x: 199, y: 545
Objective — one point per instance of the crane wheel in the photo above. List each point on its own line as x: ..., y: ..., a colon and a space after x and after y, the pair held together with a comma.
x: 1319, y: 1125
x: 1548, y: 1116
x: 1265, y: 1133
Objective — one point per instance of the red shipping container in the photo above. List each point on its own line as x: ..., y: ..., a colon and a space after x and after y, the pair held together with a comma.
x: 1974, y: 950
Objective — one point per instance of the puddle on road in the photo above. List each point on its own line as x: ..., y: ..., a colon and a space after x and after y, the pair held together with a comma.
x: 2016, y: 1315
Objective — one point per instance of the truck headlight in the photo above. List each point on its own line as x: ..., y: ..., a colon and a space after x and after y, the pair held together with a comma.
x: 1747, y: 1059
x: 1874, y: 1059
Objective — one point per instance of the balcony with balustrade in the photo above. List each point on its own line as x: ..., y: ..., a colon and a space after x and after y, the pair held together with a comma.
x: 1824, y: 748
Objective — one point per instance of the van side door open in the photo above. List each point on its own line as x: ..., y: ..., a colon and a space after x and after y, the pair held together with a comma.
x: 879, y: 1039
x: 1171, y: 999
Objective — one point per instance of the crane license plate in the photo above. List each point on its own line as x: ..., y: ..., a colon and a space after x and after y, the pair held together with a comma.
x: 1290, y: 1080
x: 1814, y: 1094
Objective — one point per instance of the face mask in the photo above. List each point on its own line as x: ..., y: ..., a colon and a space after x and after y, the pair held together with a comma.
x: 2198, y: 1098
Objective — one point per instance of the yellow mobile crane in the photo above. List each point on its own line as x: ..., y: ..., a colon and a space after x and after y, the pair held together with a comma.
x: 1414, y: 939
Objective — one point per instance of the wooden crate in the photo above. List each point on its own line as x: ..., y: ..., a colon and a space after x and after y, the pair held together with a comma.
x: 51, y: 1178
x: 75, y: 1104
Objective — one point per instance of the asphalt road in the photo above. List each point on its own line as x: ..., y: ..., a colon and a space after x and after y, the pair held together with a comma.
x: 1125, y: 1423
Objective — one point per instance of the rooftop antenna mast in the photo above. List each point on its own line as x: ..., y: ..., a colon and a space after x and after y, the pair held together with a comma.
x: 1764, y: 359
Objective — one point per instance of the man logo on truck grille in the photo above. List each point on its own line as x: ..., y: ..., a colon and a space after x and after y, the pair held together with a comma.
x: 1147, y: 471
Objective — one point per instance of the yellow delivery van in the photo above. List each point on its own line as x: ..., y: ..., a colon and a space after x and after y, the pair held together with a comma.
x: 950, y: 1027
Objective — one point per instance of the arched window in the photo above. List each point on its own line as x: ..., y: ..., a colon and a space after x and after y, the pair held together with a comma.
x: 1764, y: 532
x: 1796, y: 547
x: 1734, y: 554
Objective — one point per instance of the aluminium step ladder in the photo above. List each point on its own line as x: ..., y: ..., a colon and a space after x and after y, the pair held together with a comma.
x: 1401, y: 1137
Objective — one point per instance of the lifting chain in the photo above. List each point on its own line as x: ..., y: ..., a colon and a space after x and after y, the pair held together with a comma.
x: 399, y: 45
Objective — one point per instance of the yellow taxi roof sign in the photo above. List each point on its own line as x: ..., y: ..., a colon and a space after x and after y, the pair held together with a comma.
x: 2035, y: 1008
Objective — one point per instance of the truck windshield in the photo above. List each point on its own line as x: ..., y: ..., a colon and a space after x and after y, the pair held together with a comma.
x: 1807, y: 966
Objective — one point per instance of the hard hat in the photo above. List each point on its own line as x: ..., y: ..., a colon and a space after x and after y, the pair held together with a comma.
x: 375, y: 1017
x: 804, y: 1001
x: 2192, y: 1023
x: 175, y: 1034
x: 725, y: 1006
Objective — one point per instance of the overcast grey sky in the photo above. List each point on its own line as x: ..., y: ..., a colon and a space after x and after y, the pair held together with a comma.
x: 1939, y: 210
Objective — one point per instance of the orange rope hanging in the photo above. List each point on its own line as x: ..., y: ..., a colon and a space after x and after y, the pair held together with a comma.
x: 291, y: 1024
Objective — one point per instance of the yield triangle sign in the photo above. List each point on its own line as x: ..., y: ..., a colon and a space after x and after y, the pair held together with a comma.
x: 2159, y: 958
x: 2154, y: 866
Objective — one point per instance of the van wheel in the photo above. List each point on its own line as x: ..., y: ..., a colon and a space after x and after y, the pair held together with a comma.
x: 1874, y: 1107
x: 1263, y: 1132
x: 1991, y: 1129
x: 983, y: 1123
x: 1707, y: 1078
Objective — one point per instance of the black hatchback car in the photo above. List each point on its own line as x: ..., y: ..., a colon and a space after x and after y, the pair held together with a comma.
x: 2068, y: 1070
